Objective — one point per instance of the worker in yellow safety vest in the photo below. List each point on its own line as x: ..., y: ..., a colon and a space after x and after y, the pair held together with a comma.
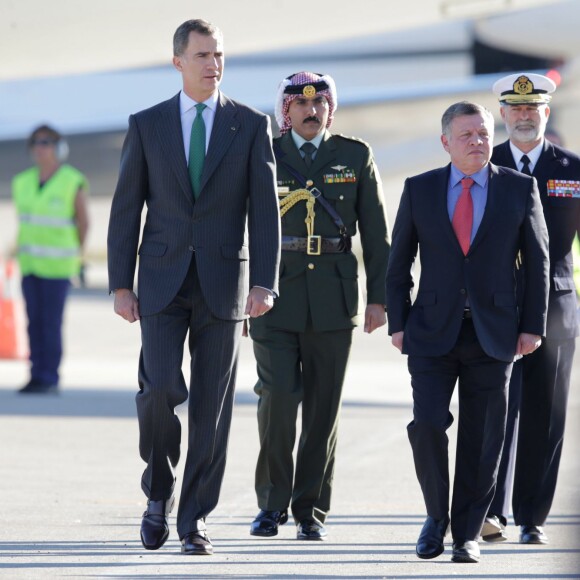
x: 50, y: 200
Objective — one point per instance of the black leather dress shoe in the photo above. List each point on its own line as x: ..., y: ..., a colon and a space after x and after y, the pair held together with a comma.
x: 493, y: 530
x: 36, y: 388
x: 466, y: 552
x: 310, y: 530
x: 532, y: 535
x: 430, y: 542
x: 196, y: 544
x: 267, y: 522
x: 154, y: 526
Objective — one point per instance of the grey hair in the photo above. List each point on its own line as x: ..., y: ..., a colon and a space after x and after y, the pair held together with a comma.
x: 181, y: 36
x: 461, y: 109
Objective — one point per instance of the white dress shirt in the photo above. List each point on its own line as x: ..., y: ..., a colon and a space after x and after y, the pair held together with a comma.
x: 533, y: 155
x: 188, y: 112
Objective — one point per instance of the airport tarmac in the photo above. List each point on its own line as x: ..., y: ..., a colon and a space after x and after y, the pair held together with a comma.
x: 70, y: 476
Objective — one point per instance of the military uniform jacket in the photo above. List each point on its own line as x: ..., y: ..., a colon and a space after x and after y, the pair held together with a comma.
x: 323, y: 290
x: 563, y: 220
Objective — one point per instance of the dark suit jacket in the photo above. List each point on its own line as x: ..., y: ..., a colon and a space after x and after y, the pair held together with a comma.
x: 238, y: 182
x: 512, y: 221
x: 563, y: 220
x: 324, y: 289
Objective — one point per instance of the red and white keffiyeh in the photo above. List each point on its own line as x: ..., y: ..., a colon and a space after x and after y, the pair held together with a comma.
x: 304, y: 84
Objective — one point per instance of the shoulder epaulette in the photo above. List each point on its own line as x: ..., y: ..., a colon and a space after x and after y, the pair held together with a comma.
x: 355, y: 139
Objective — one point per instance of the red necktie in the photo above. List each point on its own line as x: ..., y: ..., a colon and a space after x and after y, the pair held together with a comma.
x: 463, y: 215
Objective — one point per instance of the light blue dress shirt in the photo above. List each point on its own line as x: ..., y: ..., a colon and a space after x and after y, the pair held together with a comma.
x: 299, y: 141
x: 478, y: 194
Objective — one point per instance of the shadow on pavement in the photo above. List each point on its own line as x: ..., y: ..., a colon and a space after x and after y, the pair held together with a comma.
x: 71, y: 402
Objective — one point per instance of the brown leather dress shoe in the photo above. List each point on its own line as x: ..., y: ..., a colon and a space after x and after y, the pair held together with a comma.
x: 196, y: 544
x: 267, y: 522
x: 466, y: 552
x: 310, y: 529
x: 532, y: 535
x: 154, y: 525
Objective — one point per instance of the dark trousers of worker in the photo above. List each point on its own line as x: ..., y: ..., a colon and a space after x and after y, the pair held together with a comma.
x: 213, y: 346
x: 295, y: 368
x: 483, y: 383
x: 545, y: 388
x: 500, y: 506
x: 45, y: 300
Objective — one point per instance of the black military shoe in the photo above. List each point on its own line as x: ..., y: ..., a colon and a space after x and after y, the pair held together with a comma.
x: 310, y: 529
x: 267, y: 522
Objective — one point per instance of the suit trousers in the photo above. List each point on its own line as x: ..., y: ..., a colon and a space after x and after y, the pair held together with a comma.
x: 545, y: 388
x: 213, y: 347
x: 294, y: 368
x: 500, y: 506
x: 483, y: 385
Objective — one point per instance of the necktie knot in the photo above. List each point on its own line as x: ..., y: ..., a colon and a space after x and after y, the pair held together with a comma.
x: 200, y: 107
x: 308, y: 149
x: 466, y: 183
x: 525, y: 164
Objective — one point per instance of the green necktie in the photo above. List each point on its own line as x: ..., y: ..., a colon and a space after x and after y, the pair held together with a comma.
x: 197, y: 150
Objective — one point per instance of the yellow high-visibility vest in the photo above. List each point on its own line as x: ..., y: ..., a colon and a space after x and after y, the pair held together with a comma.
x: 48, y: 242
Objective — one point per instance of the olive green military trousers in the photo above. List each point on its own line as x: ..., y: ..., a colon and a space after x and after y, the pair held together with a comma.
x: 305, y: 368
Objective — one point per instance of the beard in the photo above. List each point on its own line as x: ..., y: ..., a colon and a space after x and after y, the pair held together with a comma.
x: 524, y: 133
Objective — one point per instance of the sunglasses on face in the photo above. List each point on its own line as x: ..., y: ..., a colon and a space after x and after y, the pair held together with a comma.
x: 42, y: 142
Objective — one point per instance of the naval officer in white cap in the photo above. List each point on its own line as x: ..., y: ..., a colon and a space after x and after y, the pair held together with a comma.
x: 540, y: 382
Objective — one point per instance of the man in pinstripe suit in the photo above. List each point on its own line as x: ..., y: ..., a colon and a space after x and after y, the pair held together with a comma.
x: 192, y: 266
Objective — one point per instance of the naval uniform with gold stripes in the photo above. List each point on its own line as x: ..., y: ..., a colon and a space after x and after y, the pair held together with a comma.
x: 302, y: 345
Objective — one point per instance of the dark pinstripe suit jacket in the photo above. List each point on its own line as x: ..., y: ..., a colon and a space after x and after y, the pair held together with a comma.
x: 238, y: 186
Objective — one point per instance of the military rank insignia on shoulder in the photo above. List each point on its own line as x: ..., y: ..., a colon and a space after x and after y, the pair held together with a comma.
x: 349, y: 138
x: 563, y: 188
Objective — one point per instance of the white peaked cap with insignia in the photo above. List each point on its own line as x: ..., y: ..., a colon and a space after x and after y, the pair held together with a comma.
x: 524, y: 89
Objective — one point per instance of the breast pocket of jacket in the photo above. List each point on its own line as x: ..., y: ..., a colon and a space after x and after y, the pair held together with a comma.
x: 338, y: 192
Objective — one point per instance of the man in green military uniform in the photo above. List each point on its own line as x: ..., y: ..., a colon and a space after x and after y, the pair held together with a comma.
x: 327, y: 184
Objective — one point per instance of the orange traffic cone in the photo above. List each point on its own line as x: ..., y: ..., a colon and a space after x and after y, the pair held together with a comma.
x: 12, y: 325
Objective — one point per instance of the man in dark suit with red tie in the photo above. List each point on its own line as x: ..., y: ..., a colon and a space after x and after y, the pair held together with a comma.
x: 468, y: 220
x: 539, y: 386
x: 203, y: 165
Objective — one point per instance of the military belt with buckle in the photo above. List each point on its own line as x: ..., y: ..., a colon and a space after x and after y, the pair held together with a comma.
x: 315, y: 245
